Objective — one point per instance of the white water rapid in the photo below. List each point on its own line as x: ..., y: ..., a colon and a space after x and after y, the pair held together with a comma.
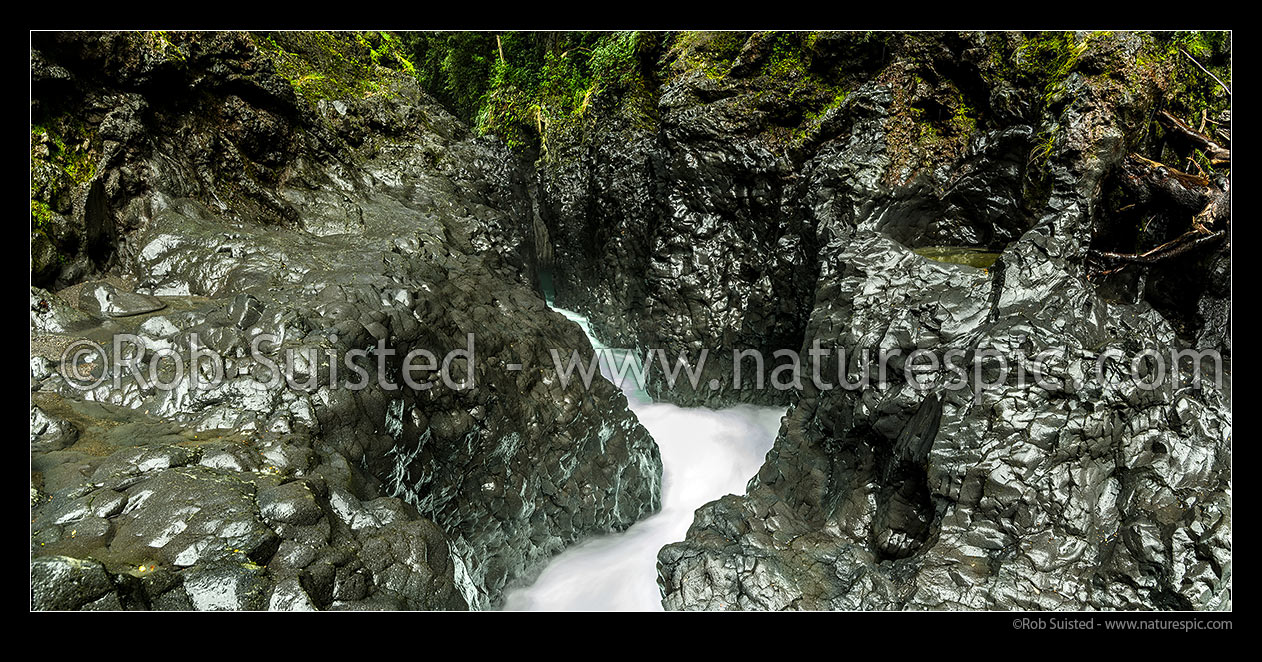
x: 706, y: 453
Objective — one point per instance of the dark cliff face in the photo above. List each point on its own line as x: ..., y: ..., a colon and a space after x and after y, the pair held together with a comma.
x: 763, y: 191
x: 1080, y: 495
x: 236, y: 208
x: 689, y: 210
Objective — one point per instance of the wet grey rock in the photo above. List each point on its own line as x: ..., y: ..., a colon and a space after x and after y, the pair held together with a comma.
x: 44, y: 72
x: 50, y: 433
x: 408, y: 562
x: 1070, y: 494
x: 227, y: 587
x: 51, y: 314
x: 60, y: 583
x: 187, y: 536
x: 394, y: 224
x: 106, y: 299
x: 289, y: 596
x: 904, y: 509
x: 1213, y: 308
x: 126, y: 468
x: 245, y: 310
x: 291, y: 503
x: 109, y: 602
x: 230, y: 457
x: 192, y: 515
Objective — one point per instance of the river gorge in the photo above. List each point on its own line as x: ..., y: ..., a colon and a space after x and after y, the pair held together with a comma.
x: 1027, y: 232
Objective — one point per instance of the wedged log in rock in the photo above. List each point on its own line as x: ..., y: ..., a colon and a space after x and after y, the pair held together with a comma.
x: 1218, y: 155
x: 1176, y: 247
x: 1154, y: 182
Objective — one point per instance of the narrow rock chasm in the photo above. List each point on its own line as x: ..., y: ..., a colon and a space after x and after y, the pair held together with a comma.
x: 706, y: 454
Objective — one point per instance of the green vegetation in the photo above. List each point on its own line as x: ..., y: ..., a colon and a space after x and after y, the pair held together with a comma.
x: 518, y: 84
x: 814, y: 118
x: 1192, y: 91
x: 62, y: 160
x: 524, y: 86
x: 789, y: 61
x: 711, y: 52
x: 1047, y: 59
x: 67, y: 146
x: 337, y: 65
x: 1046, y: 142
x: 160, y: 41
x: 455, y: 67
x: 1191, y: 94
x: 41, y: 217
x: 1133, y: 69
x: 779, y: 74
x: 932, y: 118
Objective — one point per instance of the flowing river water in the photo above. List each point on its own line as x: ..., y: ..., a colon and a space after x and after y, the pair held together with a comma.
x: 706, y: 453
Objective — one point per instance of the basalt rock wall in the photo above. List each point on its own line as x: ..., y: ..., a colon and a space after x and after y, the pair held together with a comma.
x: 230, y: 203
x: 1077, y: 492
x: 903, y: 192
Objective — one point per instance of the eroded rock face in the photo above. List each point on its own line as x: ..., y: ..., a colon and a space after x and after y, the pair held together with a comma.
x: 682, y: 235
x: 386, y: 227
x: 151, y: 515
x: 1030, y: 498
x: 106, y: 299
x: 712, y: 205
x: 691, y: 219
x: 1074, y: 493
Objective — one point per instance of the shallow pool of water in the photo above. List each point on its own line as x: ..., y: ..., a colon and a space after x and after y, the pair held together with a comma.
x: 973, y: 257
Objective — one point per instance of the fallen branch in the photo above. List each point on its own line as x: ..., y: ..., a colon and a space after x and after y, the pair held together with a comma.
x: 1207, y: 73
x: 1218, y: 155
x: 1217, y: 212
x: 1180, y: 245
x: 1148, y: 178
x: 1183, y: 177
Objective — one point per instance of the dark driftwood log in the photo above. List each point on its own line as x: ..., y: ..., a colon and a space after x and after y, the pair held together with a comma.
x: 1158, y: 184
x: 1149, y: 179
x: 1218, y: 155
x: 1180, y: 245
x: 1217, y: 212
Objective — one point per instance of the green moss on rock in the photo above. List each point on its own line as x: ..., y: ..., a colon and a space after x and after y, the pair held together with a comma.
x: 64, y: 157
x: 337, y: 65
x: 522, y: 86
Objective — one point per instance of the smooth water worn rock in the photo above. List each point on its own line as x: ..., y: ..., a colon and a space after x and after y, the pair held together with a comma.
x: 1077, y: 493
x: 106, y: 299
x: 332, y: 227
